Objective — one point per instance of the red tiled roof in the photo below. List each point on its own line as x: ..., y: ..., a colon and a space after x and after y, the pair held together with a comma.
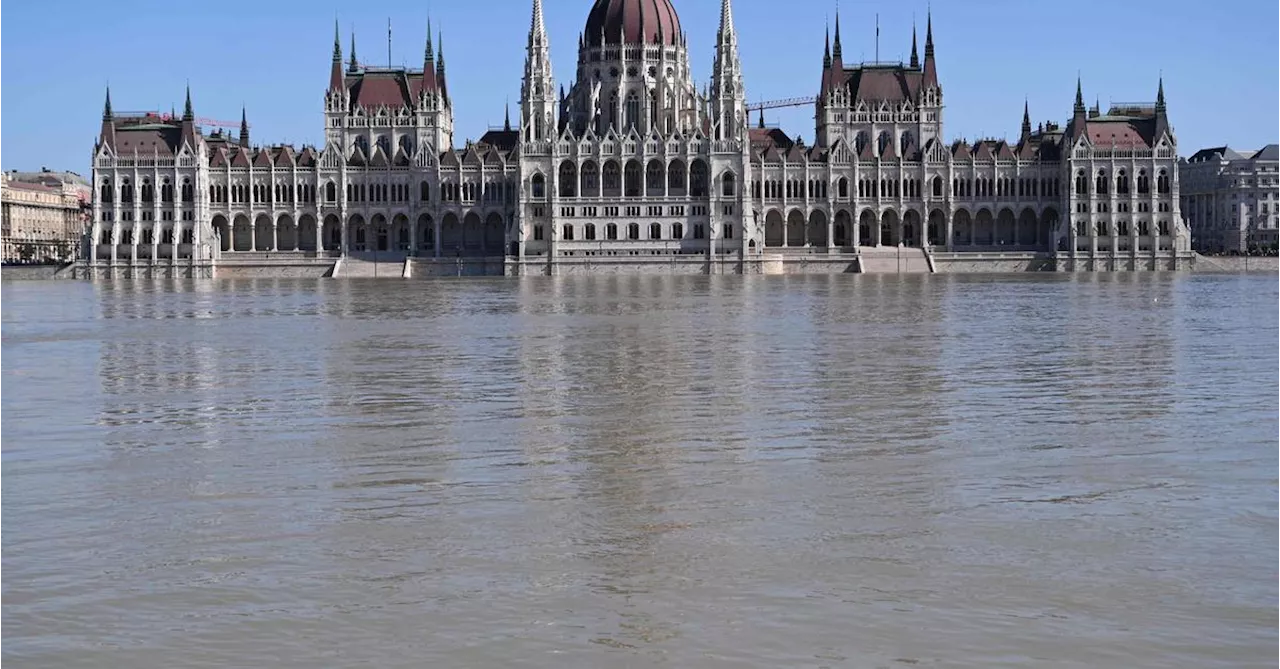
x: 1122, y: 133
x: 149, y: 140
x: 380, y: 88
x: 240, y: 158
x: 285, y: 157
x: 632, y: 22
x: 307, y: 158
x: 263, y: 159
x: 960, y: 151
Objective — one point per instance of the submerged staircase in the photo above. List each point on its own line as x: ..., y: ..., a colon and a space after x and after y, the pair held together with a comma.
x: 894, y: 260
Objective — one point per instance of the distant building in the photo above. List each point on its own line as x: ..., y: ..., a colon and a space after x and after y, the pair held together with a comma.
x: 1231, y: 199
x: 44, y: 215
x: 633, y: 158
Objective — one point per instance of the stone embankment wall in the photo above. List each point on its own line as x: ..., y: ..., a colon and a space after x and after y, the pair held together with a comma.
x: 37, y: 272
x: 1236, y: 264
x: 996, y: 263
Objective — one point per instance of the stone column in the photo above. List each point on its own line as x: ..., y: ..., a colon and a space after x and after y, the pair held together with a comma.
x: 949, y: 228
x: 413, y: 238
x: 435, y: 221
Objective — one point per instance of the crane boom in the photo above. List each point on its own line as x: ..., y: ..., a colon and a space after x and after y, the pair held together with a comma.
x: 785, y: 102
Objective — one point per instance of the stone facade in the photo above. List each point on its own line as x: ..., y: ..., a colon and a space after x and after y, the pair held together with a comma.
x: 44, y: 216
x: 633, y: 161
x: 1232, y: 200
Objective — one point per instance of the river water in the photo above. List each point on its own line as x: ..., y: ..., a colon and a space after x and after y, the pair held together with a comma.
x: 809, y: 471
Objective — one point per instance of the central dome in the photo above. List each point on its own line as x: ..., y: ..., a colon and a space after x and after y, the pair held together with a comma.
x: 632, y: 22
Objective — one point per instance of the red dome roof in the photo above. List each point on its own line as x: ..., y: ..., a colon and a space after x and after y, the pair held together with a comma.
x: 632, y: 22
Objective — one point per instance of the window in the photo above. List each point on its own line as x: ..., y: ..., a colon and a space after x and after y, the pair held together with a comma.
x: 567, y: 233
x: 728, y: 231
x: 1163, y: 183
x: 1082, y: 183
x: 698, y: 179
x: 568, y: 179
x: 1122, y: 183
x: 590, y: 232
x: 730, y: 187
x: 611, y: 232
x: 699, y: 231
x: 842, y: 188
x: 655, y: 231
x: 937, y: 186
x: 633, y: 231
x: 677, y: 230
x: 538, y: 233
x: 540, y: 187
x: 1144, y: 184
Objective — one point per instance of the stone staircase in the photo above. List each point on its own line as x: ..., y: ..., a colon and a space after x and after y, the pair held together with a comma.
x: 352, y: 267
x: 894, y: 260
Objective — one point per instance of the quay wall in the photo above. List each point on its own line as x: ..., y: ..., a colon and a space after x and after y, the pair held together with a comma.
x: 37, y: 272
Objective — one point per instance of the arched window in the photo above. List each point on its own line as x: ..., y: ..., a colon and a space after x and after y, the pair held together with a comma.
x: 188, y: 191
x: 1144, y: 183
x: 610, y: 179
x: 126, y: 191
x: 1122, y: 183
x: 908, y: 140
x: 633, y: 110
x: 842, y: 187
x: 611, y: 232
x: 1163, y: 185
x: 1101, y: 182
x: 883, y: 142
x: 632, y: 178
x: 424, y: 191
x: 860, y: 141
x: 166, y: 191
x: 655, y: 231
x: 676, y: 177
x: 653, y: 177
x: 633, y: 231
x: 331, y: 192
x: 698, y: 179
x: 590, y: 232
x: 1082, y: 183
x: 937, y: 186
x: 590, y: 179
x: 729, y: 185
x: 677, y: 231
x: 567, y: 232
x: 148, y: 191
x: 106, y: 192
x: 568, y: 179
x: 539, y: 184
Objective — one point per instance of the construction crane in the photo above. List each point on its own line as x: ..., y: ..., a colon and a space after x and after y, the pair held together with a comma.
x: 167, y: 117
x: 779, y: 104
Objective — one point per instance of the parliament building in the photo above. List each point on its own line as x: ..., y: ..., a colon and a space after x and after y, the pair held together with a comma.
x: 633, y: 166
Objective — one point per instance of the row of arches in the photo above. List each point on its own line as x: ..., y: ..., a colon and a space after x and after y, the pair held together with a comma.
x: 469, y: 234
x: 910, y: 187
x: 146, y: 191
x: 1026, y: 231
x: 1102, y: 183
x: 613, y: 179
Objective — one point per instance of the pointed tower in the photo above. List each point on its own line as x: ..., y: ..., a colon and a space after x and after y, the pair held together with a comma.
x: 335, y: 71
x: 837, y: 52
x: 915, y: 56
x: 826, y: 50
x: 440, y: 78
x: 930, y: 67
x: 244, y: 128
x: 108, y: 134
x: 355, y: 66
x: 537, y: 90
x: 189, y: 122
x: 1162, y: 114
x: 1026, y: 122
x: 728, y: 95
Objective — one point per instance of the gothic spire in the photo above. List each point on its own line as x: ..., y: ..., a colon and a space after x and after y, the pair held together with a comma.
x: 836, y: 51
x: 106, y: 108
x: 930, y: 67
x: 1079, y: 107
x: 354, y: 66
x: 1160, y: 96
x: 244, y: 127
x: 538, y: 26
x: 430, y: 55
x: 188, y: 113
x: 337, y: 43
x: 826, y: 50
x: 506, y: 122
x: 1026, y: 119
x: 915, y: 58
x: 726, y: 19
x: 335, y: 72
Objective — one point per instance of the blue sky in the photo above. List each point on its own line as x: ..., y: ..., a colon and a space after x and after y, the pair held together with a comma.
x: 1219, y: 61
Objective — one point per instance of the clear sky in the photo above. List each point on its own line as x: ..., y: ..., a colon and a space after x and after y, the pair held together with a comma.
x: 1219, y: 61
